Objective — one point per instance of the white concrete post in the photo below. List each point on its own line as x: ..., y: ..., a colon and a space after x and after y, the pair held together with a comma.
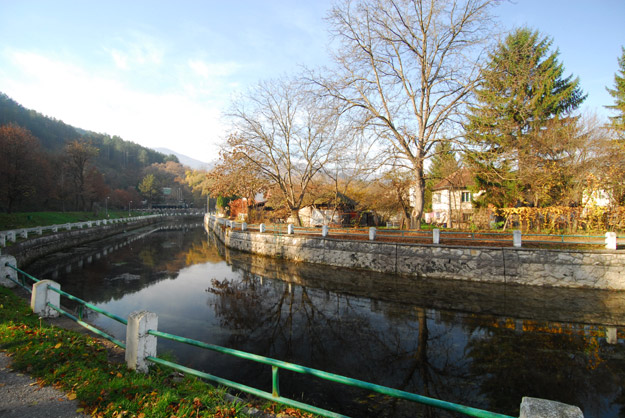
x: 89, y: 224
x: 262, y: 228
x: 542, y: 408
x: 290, y: 229
x: 139, y: 344
x: 11, y: 236
x: 610, y: 240
x: 97, y: 223
x: 372, y: 233
x: 436, y: 236
x: 39, y: 231
x: 24, y: 233
x: 244, y: 226
x: 3, y: 240
x: 42, y: 295
x: 68, y: 227
x: 55, y: 228
x: 516, y: 238
x: 7, y: 273
x: 611, y: 336
x: 324, y: 231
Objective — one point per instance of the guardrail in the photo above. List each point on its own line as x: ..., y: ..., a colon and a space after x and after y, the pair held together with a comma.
x: 45, y: 300
x: 435, y: 236
x: 13, y: 235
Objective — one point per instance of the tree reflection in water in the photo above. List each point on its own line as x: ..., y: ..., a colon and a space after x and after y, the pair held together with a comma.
x: 475, y: 344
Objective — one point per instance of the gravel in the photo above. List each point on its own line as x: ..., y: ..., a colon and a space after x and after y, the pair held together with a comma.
x: 21, y: 396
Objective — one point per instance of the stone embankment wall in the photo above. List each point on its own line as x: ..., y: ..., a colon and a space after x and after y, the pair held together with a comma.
x: 536, y: 267
x: 25, y: 252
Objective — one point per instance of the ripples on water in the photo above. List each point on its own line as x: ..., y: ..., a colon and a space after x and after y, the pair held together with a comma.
x: 476, y: 344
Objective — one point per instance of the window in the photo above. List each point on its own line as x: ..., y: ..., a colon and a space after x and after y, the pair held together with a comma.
x: 466, y: 196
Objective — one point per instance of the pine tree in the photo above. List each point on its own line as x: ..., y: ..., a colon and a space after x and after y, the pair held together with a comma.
x: 618, y: 93
x: 523, y: 89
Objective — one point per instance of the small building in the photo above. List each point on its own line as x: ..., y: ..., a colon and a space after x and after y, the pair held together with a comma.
x: 452, y: 200
x: 329, y: 209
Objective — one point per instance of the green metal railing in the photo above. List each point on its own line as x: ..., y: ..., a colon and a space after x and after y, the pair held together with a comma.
x: 276, y: 365
x: 336, y: 378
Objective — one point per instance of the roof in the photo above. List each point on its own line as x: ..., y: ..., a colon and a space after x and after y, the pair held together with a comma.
x: 461, y: 179
x: 330, y: 198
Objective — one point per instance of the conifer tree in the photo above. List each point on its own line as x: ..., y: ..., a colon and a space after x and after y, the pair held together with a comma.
x: 618, y: 93
x: 523, y: 89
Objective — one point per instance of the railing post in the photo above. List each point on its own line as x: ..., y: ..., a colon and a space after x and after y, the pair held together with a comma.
x: 3, y: 240
x: 610, y: 240
x: 139, y: 344
x: 275, y: 382
x: 540, y: 408
x: 611, y: 335
x: 42, y: 295
x: 262, y: 228
x: 516, y: 238
x: 11, y: 236
x: 372, y: 233
x: 290, y: 229
x: 6, y: 272
x: 324, y: 231
x: 243, y: 226
x: 436, y: 236
x: 24, y: 233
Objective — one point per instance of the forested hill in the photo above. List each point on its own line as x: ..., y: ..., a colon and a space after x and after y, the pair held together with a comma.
x: 121, y: 162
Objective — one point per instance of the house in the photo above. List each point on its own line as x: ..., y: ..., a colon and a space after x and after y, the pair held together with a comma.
x: 329, y: 209
x: 452, y: 199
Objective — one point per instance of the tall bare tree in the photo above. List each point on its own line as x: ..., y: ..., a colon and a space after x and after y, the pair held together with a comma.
x: 287, y: 134
x: 406, y: 67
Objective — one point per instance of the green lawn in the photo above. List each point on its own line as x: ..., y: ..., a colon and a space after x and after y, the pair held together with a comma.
x: 32, y: 219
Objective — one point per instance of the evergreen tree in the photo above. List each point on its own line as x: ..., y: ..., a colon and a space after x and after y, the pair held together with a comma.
x: 443, y: 164
x: 618, y: 93
x: 523, y: 89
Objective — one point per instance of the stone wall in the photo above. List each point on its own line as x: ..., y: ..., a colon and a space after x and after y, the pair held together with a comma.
x: 537, y: 267
x: 29, y: 250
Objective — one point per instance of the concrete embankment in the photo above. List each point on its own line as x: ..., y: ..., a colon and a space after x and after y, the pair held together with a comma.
x: 523, y: 266
x: 27, y: 251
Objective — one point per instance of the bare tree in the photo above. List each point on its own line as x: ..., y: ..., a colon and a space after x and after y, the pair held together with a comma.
x: 78, y: 155
x: 406, y: 68
x: 287, y: 134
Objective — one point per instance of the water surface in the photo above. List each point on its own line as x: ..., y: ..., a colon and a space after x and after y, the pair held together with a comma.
x: 480, y: 345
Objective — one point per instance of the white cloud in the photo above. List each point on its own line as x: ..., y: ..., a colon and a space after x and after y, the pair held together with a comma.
x: 103, y: 103
x: 137, y: 49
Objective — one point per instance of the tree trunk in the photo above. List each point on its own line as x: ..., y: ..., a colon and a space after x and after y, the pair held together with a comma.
x: 419, y: 196
x: 295, y: 216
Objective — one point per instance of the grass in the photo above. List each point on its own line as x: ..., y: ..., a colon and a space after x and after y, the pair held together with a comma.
x: 78, y: 365
x: 18, y: 220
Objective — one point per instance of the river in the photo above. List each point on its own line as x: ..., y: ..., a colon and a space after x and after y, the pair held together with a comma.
x: 480, y: 345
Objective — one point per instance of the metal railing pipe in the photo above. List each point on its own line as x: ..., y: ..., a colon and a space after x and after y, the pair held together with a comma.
x: 467, y: 410
x: 248, y: 389
x: 86, y: 325
x: 90, y: 306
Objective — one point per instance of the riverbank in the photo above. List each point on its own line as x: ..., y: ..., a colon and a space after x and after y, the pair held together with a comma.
x: 603, y: 269
x: 79, y: 366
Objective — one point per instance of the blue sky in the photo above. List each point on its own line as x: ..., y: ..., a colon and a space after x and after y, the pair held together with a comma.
x: 160, y: 73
